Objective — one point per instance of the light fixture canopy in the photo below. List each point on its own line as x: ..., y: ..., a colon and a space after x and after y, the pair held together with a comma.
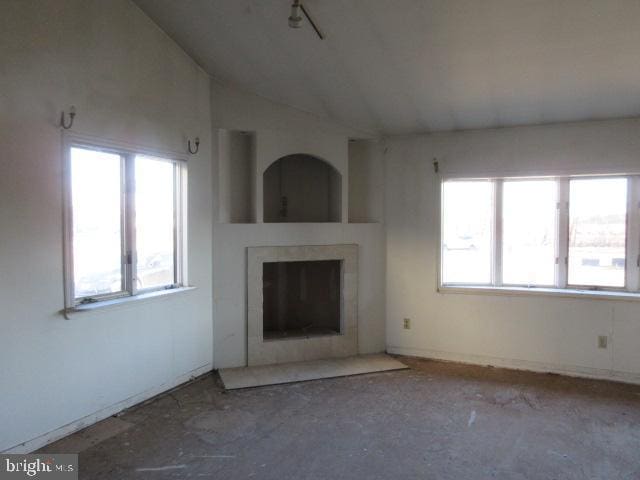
x: 295, y: 19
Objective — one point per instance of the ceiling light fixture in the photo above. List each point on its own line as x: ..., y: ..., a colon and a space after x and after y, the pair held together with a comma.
x: 295, y: 19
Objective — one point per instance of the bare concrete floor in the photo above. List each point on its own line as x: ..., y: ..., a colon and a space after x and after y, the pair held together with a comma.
x: 435, y: 421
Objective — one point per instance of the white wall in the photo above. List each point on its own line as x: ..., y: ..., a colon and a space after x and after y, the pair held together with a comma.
x: 129, y: 83
x: 283, y: 131
x: 539, y: 333
x: 236, y: 109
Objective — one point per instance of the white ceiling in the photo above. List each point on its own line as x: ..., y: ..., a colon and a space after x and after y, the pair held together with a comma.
x: 401, y: 66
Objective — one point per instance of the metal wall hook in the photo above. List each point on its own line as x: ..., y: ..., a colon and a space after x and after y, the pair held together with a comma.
x: 197, y: 144
x: 72, y: 116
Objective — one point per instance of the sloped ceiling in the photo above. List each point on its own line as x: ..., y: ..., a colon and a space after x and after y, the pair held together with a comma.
x: 404, y: 66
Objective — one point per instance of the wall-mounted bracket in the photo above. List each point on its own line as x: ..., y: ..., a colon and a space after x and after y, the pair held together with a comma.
x: 197, y: 144
x: 72, y: 116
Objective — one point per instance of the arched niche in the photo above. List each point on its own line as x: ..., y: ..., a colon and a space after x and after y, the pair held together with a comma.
x: 301, y: 188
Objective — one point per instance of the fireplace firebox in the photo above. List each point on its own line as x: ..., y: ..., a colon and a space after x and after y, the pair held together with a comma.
x: 301, y: 299
x: 302, y: 303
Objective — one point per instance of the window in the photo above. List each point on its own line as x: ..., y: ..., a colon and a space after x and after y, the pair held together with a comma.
x: 467, y: 232
x: 96, y: 184
x: 529, y: 232
x: 597, y: 232
x: 124, y: 224
x: 576, y: 233
x: 155, y: 222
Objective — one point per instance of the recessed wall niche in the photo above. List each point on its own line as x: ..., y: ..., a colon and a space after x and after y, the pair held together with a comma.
x: 366, y: 182
x: 301, y: 188
x: 236, y: 176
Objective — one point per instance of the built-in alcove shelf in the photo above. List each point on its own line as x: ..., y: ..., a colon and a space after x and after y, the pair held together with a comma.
x: 301, y: 188
x: 236, y: 176
x: 278, y: 178
x: 366, y: 183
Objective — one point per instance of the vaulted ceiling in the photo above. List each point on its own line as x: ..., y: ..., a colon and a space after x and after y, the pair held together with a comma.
x: 402, y: 66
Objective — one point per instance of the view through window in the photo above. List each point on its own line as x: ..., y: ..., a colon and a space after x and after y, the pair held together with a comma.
x: 96, y: 184
x: 597, y: 232
x: 529, y: 232
x: 518, y: 232
x: 125, y: 219
x: 155, y: 226
x: 467, y: 232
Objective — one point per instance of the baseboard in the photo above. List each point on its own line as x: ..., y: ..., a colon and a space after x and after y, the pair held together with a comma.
x: 84, y: 422
x: 532, y: 366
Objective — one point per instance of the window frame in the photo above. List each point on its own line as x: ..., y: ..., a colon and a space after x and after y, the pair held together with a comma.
x: 567, y: 208
x: 561, y: 285
x: 128, y: 250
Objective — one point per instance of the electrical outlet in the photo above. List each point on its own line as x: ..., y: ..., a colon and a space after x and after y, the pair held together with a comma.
x: 602, y: 341
x: 407, y: 323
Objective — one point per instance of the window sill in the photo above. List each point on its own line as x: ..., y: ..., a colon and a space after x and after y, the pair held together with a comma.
x: 122, y: 301
x: 541, y: 291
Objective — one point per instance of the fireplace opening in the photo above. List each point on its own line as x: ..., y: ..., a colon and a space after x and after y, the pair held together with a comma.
x: 301, y: 299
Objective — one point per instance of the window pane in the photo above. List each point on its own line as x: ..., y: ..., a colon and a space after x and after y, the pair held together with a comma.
x: 529, y: 232
x: 97, y: 235
x: 154, y: 200
x: 467, y: 209
x: 597, y: 232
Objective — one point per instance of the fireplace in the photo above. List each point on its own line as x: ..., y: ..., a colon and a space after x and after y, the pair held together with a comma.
x: 301, y: 299
x: 302, y: 303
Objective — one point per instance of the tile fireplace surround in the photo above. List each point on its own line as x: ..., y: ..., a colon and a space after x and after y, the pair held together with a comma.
x: 261, y: 352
